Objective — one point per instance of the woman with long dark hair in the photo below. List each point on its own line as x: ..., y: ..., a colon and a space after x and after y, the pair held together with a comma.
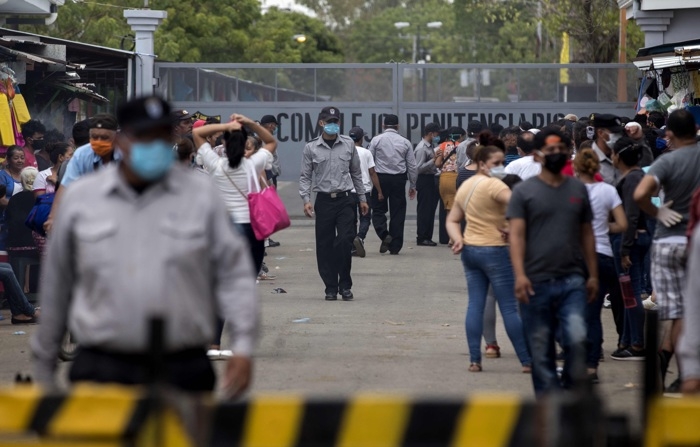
x: 631, y: 247
x: 233, y: 175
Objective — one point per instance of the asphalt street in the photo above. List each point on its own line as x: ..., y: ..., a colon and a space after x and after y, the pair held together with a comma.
x: 403, y: 333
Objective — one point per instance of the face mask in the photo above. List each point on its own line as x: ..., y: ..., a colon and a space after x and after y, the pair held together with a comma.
x: 151, y: 161
x: 436, y: 139
x: 554, y: 163
x: 612, y: 139
x: 331, y: 128
x: 101, y: 147
x: 38, y: 145
x: 498, y: 172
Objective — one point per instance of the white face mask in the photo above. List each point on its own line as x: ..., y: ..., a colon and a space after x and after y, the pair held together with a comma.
x: 612, y: 139
x: 498, y: 171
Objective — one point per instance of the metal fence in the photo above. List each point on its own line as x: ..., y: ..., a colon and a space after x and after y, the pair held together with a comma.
x: 451, y: 94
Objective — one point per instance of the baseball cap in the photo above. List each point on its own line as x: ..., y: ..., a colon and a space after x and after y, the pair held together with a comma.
x: 145, y: 113
x: 181, y: 115
x: 356, y: 133
x: 606, y: 121
x: 329, y: 113
x: 103, y: 121
x: 268, y: 119
x: 391, y: 120
x: 474, y: 127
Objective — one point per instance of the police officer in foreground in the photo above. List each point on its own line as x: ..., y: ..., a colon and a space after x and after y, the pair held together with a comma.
x: 142, y: 239
x: 330, y: 167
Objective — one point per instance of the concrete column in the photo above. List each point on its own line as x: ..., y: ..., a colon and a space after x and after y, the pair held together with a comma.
x: 143, y: 23
x: 654, y: 24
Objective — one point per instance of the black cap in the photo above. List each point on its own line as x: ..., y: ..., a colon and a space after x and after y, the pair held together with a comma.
x: 145, y: 113
x: 268, y: 119
x: 356, y: 133
x: 431, y: 127
x: 181, y: 115
x: 391, y: 120
x: 606, y: 121
x: 474, y: 127
x: 329, y: 113
x: 103, y: 121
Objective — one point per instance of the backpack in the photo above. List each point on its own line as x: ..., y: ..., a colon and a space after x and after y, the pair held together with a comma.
x: 39, y: 214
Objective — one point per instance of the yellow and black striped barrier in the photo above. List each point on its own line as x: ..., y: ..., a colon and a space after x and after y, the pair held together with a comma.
x: 118, y: 416
x: 673, y: 423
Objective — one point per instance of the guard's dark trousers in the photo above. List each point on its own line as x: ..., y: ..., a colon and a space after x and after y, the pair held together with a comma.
x: 394, y: 190
x: 428, y: 198
x: 335, y: 232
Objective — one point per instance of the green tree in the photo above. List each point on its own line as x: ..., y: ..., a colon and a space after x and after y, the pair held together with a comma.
x: 202, y: 31
x: 272, y: 39
x: 593, y: 26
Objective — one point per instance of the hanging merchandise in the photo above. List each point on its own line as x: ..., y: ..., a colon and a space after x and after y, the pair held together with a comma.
x: 13, y: 109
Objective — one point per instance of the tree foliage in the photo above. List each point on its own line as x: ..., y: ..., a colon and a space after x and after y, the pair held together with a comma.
x: 202, y: 31
x: 479, y: 31
x: 593, y: 26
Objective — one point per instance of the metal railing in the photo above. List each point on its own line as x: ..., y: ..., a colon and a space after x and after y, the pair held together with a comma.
x: 397, y: 83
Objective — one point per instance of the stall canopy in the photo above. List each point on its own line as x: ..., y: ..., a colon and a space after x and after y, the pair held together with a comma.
x: 678, y: 54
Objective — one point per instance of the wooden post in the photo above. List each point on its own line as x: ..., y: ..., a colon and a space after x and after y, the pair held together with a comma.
x: 622, y: 73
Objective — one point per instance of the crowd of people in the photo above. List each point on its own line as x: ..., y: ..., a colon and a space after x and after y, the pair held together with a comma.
x: 550, y: 224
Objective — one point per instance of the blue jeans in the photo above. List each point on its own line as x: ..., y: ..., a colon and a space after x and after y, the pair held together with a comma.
x: 607, y: 279
x: 19, y: 305
x: 633, y: 331
x: 484, y: 266
x: 556, y: 303
x: 366, y: 220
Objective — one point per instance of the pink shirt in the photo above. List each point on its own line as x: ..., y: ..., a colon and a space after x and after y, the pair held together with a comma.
x: 29, y: 158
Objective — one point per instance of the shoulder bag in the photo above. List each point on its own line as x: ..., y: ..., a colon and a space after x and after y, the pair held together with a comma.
x: 267, y: 212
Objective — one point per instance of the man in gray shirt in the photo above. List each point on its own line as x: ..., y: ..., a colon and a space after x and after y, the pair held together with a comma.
x: 394, y: 163
x: 676, y: 173
x: 552, y: 248
x: 146, y: 239
x: 330, y: 163
x: 428, y: 195
x: 608, y: 129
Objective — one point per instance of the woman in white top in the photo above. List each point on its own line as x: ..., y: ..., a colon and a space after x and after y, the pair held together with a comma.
x: 605, y: 201
x: 47, y: 180
x: 234, y: 173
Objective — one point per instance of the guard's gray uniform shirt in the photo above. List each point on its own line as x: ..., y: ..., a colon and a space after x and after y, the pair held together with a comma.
x: 607, y: 170
x: 330, y: 170
x: 116, y: 258
x: 393, y: 154
x: 462, y: 152
x: 425, y: 158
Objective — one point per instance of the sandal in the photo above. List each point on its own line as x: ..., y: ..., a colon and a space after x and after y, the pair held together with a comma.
x: 475, y: 367
x: 493, y: 352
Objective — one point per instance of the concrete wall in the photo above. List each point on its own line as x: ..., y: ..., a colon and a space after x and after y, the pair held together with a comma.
x: 685, y: 25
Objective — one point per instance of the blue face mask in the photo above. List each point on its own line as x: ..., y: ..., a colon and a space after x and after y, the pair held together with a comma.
x: 332, y: 128
x: 436, y: 140
x: 151, y: 161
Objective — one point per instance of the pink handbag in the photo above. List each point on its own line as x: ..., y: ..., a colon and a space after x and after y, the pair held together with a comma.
x: 267, y: 212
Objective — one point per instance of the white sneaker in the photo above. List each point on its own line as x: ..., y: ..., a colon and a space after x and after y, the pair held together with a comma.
x: 606, y: 303
x: 649, y: 304
x: 226, y: 354
x: 214, y: 354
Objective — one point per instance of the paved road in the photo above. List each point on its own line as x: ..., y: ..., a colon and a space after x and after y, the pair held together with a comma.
x: 403, y: 333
